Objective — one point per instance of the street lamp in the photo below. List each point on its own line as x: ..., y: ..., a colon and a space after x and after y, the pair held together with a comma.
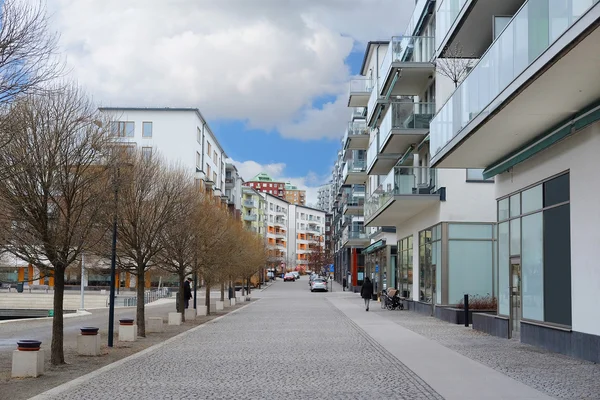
x: 113, y: 262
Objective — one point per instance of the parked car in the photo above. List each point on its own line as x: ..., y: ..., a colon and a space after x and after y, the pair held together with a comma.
x: 318, y: 284
x: 289, y: 277
x: 296, y: 274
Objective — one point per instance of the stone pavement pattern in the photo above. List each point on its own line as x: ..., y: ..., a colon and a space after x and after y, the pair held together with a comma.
x: 290, y: 344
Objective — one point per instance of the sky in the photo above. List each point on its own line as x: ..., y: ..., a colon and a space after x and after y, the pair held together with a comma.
x: 271, y: 76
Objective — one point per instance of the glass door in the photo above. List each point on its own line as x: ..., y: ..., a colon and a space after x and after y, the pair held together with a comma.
x: 515, y: 295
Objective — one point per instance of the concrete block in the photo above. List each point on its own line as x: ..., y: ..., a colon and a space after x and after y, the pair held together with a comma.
x: 220, y: 305
x: 89, y: 345
x: 201, y: 311
x: 155, y: 325
x: 233, y: 301
x: 174, y: 318
x: 128, y: 333
x: 213, y: 307
x: 26, y: 364
x: 227, y: 303
x: 190, y: 314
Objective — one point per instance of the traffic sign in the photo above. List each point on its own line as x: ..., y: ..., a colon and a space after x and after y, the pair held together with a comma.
x: 376, y: 267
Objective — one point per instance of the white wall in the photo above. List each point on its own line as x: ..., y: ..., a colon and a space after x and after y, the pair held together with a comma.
x: 466, y: 201
x: 578, y: 155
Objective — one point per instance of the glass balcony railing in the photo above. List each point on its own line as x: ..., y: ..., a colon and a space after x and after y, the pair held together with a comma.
x: 354, y: 201
x: 402, y: 181
x: 354, y: 166
x: 358, y: 235
x: 250, y: 203
x: 407, y: 49
x: 445, y: 16
x: 406, y: 115
x: 358, y: 112
x: 530, y: 33
x: 362, y: 85
x: 416, y: 16
x: 250, y: 217
x: 356, y: 128
x: 373, y: 150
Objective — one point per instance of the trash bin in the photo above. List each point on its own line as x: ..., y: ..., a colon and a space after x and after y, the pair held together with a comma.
x: 177, y: 303
x: 20, y: 287
x: 231, y: 292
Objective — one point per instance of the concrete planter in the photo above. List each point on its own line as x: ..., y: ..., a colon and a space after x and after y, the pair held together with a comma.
x: 174, y: 318
x: 457, y: 315
x: 219, y: 305
x: 190, y: 314
x: 227, y: 302
x: 491, y: 324
x: 201, y: 311
x: 213, y: 307
x: 127, y: 333
x: 155, y: 325
x: 27, y: 360
x: 421, y: 307
x: 89, y: 345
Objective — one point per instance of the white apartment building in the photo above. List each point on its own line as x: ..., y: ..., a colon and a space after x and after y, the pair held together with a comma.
x: 233, y: 187
x: 277, y: 229
x: 306, y: 234
x: 325, y: 197
x: 180, y: 135
x: 443, y: 217
x: 528, y: 113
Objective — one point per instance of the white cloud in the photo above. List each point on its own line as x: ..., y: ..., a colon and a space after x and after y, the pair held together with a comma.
x: 310, y: 182
x: 262, y: 61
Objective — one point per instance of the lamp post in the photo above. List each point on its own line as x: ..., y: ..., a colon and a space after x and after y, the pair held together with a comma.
x: 113, y: 262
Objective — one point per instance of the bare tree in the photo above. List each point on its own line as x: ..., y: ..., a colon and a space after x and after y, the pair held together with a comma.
x: 55, y: 189
x: 148, y: 198
x: 455, y: 64
x: 319, y: 257
x: 179, y: 234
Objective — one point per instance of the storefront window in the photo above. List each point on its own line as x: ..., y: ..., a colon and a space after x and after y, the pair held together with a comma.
x: 405, y: 249
x: 428, y: 264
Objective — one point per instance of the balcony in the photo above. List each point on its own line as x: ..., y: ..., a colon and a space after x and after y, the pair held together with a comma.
x: 355, y: 238
x: 354, y: 205
x: 280, y: 223
x: 250, y: 217
x: 404, y: 123
x: 229, y: 182
x: 517, y: 92
x: 378, y: 163
x: 359, y: 113
x: 355, y: 172
x: 405, y: 192
x: 407, y: 66
x: 360, y: 90
x: 468, y: 25
x: 357, y: 135
x: 250, y: 203
x: 280, y: 212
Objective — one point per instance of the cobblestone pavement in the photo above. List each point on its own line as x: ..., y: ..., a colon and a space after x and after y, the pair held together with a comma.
x: 289, y: 344
x: 554, y: 374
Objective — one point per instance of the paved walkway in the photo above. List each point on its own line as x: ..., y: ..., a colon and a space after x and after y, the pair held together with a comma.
x: 295, y: 344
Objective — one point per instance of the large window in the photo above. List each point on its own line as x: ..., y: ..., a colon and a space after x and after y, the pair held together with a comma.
x: 430, y: 266
x: 147, y: 129
x: 122, y: 128
x: 405, y: 266
x: 534, y: 229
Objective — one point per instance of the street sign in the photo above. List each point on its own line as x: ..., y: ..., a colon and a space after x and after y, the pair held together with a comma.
x: 331, y: 268
x: 377, y: 268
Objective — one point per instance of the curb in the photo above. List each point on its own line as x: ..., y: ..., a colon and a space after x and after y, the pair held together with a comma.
x: 79, y: 313
x: 85, y: 378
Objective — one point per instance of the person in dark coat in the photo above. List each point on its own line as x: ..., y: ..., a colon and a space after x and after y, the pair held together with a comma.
x: 187, y: 292
x: 366, y: 292
x: 344, y: 282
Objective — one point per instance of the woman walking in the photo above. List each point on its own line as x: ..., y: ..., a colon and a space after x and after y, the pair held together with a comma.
x: 366, y: 292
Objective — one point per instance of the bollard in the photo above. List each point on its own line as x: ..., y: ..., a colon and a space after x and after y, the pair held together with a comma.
x: 27, y: 360
x: 467, y: 310
x: 88, y: 342
x: 127, y: 330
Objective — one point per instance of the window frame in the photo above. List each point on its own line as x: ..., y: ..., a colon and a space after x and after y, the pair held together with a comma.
x: 144, y: 124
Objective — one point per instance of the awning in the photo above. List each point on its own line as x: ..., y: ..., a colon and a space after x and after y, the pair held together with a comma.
x: 373, y: 247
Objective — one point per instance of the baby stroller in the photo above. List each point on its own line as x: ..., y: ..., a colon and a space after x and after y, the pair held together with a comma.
x: 391, y: 300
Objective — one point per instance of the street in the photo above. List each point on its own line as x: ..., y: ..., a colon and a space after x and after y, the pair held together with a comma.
x: 290, y: 343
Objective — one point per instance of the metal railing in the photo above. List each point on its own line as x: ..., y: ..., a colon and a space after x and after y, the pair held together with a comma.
x: 149, y: 297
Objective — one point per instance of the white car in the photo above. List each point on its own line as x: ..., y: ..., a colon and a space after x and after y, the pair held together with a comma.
x: 318, y: 284
x: 296, y: 274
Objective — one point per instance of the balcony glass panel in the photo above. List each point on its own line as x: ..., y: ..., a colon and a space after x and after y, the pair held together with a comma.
x: 355, y: 166
x: 373, y: 150
x: 445, y: 16
x: 358, y: 235
x: 530, y: 32
x: 363, y: 85
x: 406, y: 115
x: 407, y: 49
x: 402, y: 181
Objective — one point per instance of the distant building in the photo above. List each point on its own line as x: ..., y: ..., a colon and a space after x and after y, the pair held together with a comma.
x: 265, y: 184
x: 325, y: 196
x: 294, y: 195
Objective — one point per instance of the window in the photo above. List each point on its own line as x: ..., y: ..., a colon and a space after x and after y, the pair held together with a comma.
x: 207, y: 170
x: 215, y: 158
x: 147, y: 129
x: 146, y: 152
x: 215, y: 177
x: 208, y: 147
x: 198, y: 135
x: 476, y: 175
x: 122, y: 128
x: 198, y: 160
x: 405, y: 270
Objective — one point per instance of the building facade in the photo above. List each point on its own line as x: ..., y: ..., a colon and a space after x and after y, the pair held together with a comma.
x: 504, y: 119
x: 233, y: 189
x: 325, y: 197
x: 277, y: 231
x: 307, y: 238
x: 293, y: 195
x: 253, y: 211
x: 265, y: 184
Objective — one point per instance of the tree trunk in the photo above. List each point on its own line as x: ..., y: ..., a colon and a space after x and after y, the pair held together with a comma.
x: 181, y: 295
x: 57, y: 354
x: 207, y: 297
x: 222, y: 291
x: 139, y: 315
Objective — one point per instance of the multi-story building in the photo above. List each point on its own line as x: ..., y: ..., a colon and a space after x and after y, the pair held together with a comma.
x: 325, y: 197
x: 253, y: 211
x: 293, y: 195
x: 233, y: 189
x: 528, y: 115
x: 307, y: 235
x: 265, y: 184
x: 277, y: 231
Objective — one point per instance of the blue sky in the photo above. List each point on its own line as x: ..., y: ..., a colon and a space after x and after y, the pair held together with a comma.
x: 300, y: 157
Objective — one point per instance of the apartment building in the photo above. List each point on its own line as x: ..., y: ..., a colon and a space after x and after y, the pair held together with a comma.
x: 233, y: 189
x: 325, y: 196
x: 307, y: 235
x: 443, y: 218
x: 265, y: 184
x: 528, y: 115
x: 294, y: 195
x: 253, y: 211
x: 277, y: 231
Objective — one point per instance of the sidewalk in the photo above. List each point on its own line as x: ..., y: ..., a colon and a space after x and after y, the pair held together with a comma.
x: 450, y: 374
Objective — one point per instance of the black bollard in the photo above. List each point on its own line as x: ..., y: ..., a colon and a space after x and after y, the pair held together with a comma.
x: 467, y: 310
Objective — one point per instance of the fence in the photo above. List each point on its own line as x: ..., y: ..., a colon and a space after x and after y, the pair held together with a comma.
x: 149, y: 297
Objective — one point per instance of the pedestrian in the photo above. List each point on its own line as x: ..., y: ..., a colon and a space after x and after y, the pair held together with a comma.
x: 366, y: 292
x: 187, y: 292
x: 344, y: 282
